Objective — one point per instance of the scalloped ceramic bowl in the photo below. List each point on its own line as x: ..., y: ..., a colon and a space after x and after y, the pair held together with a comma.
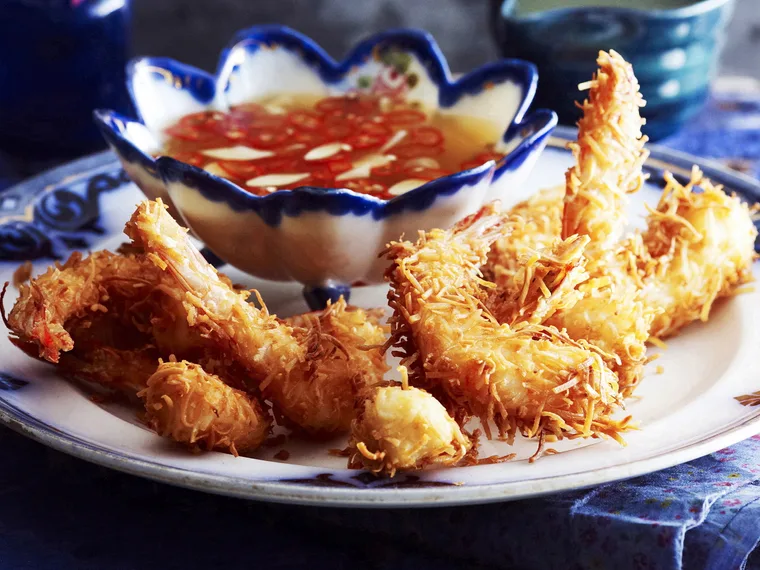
x: 326, y: 239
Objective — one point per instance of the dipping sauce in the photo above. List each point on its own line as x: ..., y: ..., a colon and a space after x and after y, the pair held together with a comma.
x: 371, y: 144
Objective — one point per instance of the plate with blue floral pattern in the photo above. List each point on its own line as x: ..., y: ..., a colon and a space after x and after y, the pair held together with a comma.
x: 701, y: 395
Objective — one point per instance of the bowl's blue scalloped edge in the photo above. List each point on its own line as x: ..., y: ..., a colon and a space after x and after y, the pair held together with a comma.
x: 112, y: 126
x: 335, y: 201
x: 200, y: 84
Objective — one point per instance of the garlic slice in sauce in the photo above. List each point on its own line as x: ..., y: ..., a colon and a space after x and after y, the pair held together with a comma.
x: 393, y: 141
x: 405, y: 186
x: 326, y: 150
x: 276, y: 179
x: 239, y: 152
x: 363, y: 166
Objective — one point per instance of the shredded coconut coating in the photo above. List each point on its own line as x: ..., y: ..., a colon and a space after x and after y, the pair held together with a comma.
x: 546, y: 282
x: 289, y: 366
x: 533, y: 225
x: 77, y: 289
x: 608, y: 155
x: 404, y: 428
x: 702, y: 244
x: 529, y: 377
x: 350, y: 358
x: 190, y: 406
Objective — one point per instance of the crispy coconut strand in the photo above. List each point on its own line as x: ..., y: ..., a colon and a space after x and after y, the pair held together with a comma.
x: 351, y: 357
x: 404, y: 428
x: 188, y: 405
x: 532, y: 225
x: 283, y: 361
x: 608, y: 156
x: 76, y: 289
x: 530, y: 377
x: 702, y: 244
x: 546, y: 282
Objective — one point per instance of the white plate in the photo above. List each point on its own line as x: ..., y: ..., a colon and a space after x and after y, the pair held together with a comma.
x: 688, y: 411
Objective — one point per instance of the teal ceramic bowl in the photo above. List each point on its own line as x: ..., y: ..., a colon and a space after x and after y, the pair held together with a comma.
x: 674, y: 46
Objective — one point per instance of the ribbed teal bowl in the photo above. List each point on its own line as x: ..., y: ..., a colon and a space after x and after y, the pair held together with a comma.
x: 674, y: 53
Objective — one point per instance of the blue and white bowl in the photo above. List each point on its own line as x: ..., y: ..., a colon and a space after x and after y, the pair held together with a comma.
x: 327, y: 239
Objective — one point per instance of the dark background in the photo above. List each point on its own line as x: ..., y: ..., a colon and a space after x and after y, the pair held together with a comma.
x: 194, y: 31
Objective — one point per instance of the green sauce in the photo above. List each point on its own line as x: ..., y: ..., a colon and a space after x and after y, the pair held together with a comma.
x: 531, y: 6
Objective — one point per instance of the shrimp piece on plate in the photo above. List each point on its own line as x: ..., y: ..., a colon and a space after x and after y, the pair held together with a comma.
x: 77, y: 289
x: 185, y: 403
x: 533, y: 225
x: 404, y: 428
x: 284, y: 362
x: 609, y: 155
x: 546, y: 282
x: 351, y: 358
x: 702, y: 246
x: 530, y: 378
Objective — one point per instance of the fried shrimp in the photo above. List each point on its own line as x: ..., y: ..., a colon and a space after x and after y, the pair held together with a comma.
x: 401, y: 427
x: 608, y: 156
x: 532, y: 225
x: 190, y: 406
x: 546, y: 282
x: 77, y: 289
x: 702, y: 246
x: 530, y: 378
x: 284, y: 362
x: 351, y: 358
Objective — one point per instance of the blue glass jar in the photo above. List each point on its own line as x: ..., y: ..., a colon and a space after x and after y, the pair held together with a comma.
x: 59, y: 60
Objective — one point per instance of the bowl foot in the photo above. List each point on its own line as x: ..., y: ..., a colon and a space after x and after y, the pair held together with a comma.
x: 317, y: 297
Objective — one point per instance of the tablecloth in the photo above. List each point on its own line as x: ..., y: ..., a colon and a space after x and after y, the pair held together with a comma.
x: 57, y: 512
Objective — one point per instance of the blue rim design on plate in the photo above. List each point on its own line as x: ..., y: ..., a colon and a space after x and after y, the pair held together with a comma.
x: 358, y: 489
x: 535, y: 127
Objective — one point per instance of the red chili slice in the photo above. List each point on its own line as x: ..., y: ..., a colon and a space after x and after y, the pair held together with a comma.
x: 361, y: 141
x: 338, y: 131
x: 189, y: 157
x: 415, y: 150
x: 310, y: 139
x: 184, y: 133
x: 305, y: 120
x: 428, y: 136
x: 241, y: 169
x: 279, y: 164
x: 385, y: 170
x: 201, y: 119
x: 266, y: 138
x: 338, y: 166
x: 404, y: 117
x: 375, y: 129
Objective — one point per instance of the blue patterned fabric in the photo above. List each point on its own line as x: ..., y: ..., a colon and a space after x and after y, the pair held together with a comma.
x: 57, y: 512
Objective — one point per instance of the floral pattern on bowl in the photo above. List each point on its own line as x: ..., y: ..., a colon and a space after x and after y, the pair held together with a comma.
x: 327, y: 239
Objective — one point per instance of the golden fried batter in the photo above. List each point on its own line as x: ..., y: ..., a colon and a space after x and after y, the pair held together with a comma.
x: 351, y: 358
x: 702, y: 246
x: 188, y: 405
x: 76, y: 289
x: 404, y: 428
x: 608, y: 156
x: 530, y: 377
x: 283, y: 361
